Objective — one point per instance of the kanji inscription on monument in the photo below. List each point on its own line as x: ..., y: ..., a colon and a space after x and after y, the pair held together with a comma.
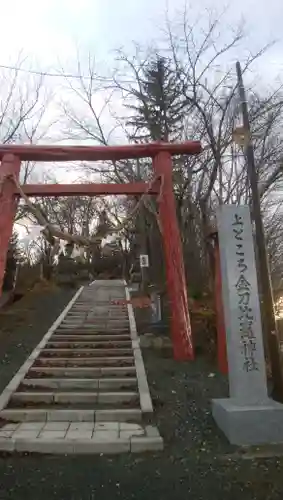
x: 248, y: 416
x: 241, y: 304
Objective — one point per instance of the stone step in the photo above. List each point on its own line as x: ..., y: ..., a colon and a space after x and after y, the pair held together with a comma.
x: 82, y: 371
x: 106, y: 316
x: 89, y: 345
x: 76, y: 415
x: 117, y: 383
x: 99, y: 361
x: 94, y: 329
x: 103, y: 327
x: 66, y: 437
x: 110, y: 301
x: 91, y: 335
x: 88, y: 327
x: 99, y: 316
x: 99, y: 334
x: 90, y: 305
x: 99, y: 338
x: 82, y: 325
x: 81, y: 331
x: 76, y: 352
x: 98, y: 303
x: 88, y: 372
x: 74, y: 397
x: 94, y: 319
x: 87, y: 310
x: 94, y: 324
x: 78, y: 383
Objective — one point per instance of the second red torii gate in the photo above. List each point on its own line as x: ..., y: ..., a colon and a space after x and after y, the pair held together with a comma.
x: 161, y: 153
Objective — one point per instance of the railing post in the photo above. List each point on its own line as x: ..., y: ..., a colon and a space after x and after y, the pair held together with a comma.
x: 10, y: 165
x: 176, y: 281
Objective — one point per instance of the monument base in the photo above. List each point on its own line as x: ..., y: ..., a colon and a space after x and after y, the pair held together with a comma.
x: 253, y: 424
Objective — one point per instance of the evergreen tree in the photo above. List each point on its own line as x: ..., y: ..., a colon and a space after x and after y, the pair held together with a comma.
x: 158, y: 113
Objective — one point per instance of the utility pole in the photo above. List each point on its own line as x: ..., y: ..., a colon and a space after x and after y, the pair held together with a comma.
x: 269, y: 322
x: 142, y: 238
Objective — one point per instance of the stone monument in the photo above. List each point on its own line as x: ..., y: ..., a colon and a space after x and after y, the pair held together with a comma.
x: 248, y: 416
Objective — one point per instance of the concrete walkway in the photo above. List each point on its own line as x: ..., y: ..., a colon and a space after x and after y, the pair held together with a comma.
x: 84, y: 388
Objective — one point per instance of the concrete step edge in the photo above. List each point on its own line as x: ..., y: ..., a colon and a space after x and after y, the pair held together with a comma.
x: 91, y: 363
x: 81, y: 383
x: 123, y: 350
x: 99, y: 338
x: 82, y: 369
x: 92, y: 446
x: 81, y: 345
x: 36, y: 415
x: 74, y: 397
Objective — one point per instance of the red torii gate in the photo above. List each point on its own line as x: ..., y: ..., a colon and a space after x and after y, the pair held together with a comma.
x: 161, y: 153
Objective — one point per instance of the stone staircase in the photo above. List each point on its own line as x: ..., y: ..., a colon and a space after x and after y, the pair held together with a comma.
x: 84, y: 388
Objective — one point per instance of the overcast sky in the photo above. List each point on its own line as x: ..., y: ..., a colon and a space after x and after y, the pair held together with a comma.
x: 49, y: 29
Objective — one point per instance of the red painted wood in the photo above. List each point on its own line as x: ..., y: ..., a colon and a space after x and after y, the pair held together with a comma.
x: 87, y: 189
x: 10, y: 165
x: 95, y: 153
x: 220, y: 323
x: 176, y: 282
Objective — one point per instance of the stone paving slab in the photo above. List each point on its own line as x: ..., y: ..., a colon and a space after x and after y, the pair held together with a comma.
x: 83, y: 437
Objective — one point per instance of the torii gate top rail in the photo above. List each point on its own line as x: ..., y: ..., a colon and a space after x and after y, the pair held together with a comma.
x: 161, y: 153
x: 95, y: 153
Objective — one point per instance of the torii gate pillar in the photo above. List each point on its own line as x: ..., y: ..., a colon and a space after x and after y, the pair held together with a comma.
x: 176, y: 281
x: 10, y: 165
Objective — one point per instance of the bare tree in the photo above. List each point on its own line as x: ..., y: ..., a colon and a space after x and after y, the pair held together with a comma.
x: 186, y: 89
x: 23, y: 105
x: 206, y: 90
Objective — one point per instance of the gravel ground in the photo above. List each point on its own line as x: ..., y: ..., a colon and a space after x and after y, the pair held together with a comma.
x: 196, y: 464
